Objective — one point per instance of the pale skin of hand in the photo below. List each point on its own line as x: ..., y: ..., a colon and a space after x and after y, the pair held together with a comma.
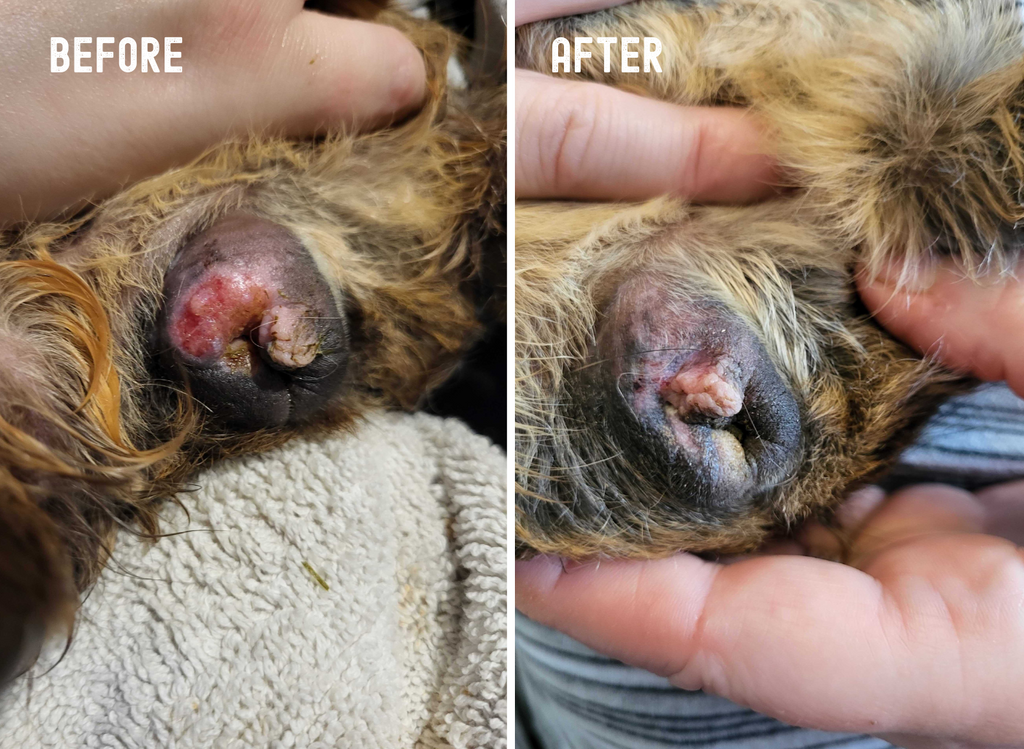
x: 920, y: 638
x: 249, y: 66
x: 592, y: 142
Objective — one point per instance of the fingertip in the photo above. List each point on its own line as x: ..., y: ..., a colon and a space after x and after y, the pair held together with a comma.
x: 380, y: 80
x: 969, y: 324
x: 859, y: 505
x: 639, y: 611
x: 920, y: 511
x: 742, y: 168
x: 351, y: 73
x: 1004, y: 508
x: 588, y: 141
x: 942, y: 503
x: 535, y: 578
x: 406, y: 86
x: 880, y: 293
x: 536, y: 10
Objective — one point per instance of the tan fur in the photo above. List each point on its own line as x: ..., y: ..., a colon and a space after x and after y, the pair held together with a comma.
x: 898, y: 123
x: 402, y: 221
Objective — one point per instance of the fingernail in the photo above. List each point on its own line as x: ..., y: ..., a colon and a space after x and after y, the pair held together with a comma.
x: 859, y: 505
x: 539, y: 561
x: 536, y: 577
x: 571, y: 565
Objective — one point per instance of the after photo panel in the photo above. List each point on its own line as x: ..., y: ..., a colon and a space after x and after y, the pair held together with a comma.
x: 768, y: 437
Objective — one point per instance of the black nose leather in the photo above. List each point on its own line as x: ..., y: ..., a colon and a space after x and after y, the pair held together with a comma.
x: 690, y: 398
x: 252, y: 326
x: 21, y: 638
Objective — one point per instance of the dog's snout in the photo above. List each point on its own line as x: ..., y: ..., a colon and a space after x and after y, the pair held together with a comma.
x: 691, y: 394
x: 252, y: 325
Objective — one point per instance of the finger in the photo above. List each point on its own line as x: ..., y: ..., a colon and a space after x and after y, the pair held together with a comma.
x: 528, y: 11
x: 320, y: 71
x: 1004, y: 510
x: 810, y: 642
x: 592, y: 142
x: 336, y: 71
x: 919, y: 512
x: 970, y: 326
x: 639, y: 612
x: 730, y: 630
x: 833, y: 541
x: 859, y: 506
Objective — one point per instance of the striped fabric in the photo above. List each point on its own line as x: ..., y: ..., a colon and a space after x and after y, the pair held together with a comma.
x: 577, y: 699
x: 973, y: 441
x: 569, y: 697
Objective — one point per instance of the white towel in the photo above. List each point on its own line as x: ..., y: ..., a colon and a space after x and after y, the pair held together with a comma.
x: 223, y: 638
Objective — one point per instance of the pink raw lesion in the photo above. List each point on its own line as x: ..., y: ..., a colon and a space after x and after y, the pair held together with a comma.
x: 217, y: 311
x: 225, y: 309
x: 708, y: 389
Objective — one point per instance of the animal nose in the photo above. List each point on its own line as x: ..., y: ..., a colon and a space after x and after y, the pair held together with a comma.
x: 691, y: 394
x: 252, y: 325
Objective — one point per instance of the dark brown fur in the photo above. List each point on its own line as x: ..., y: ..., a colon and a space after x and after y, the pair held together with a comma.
x: 899, y: 123
x: 406, y: 221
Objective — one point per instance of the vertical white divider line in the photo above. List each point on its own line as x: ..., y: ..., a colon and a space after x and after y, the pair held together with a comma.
x: 510, y: 14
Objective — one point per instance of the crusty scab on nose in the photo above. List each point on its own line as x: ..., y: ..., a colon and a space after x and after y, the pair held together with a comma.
x: 289, y: 336
x: 711, y: 389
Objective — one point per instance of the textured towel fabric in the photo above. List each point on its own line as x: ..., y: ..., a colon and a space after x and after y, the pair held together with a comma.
x: 222, y: 637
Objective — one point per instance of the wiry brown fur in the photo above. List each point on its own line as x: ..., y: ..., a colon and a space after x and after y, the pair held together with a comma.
x: 401, y: 220
x: 899, y: 124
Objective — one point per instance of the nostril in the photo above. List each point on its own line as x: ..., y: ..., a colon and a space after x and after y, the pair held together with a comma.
x: 240, y: 357
x: 691, y: 399
x: 252, y: 325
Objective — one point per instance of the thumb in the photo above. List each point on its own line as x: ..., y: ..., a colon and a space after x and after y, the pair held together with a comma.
x: 329, y: 70
x: 970, y: 325
x: 292, y: 75
x: 593, y: 142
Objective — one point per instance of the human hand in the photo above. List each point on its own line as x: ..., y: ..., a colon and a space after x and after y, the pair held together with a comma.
x: 972, y: 326
x: 919, y: 641
x: 248, y: 66
x: 588, y: 141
